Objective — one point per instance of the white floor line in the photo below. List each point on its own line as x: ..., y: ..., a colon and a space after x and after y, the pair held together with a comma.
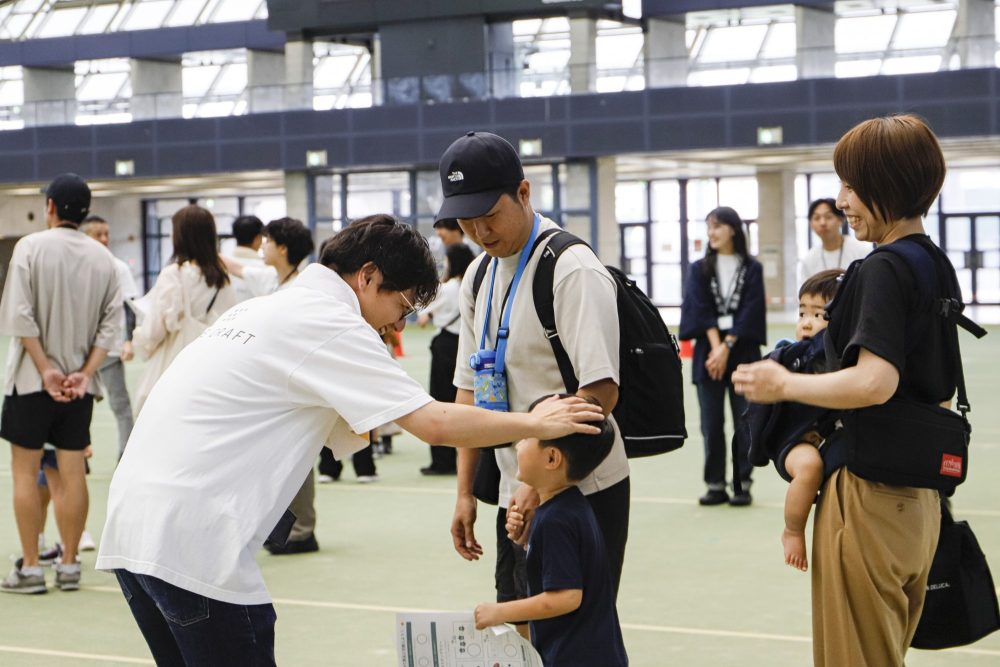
x: 735, y: 634
x: 69, y: 655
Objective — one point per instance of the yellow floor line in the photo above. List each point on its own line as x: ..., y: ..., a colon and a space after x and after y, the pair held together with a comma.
x: 69, y: 655
x: 735, y: 634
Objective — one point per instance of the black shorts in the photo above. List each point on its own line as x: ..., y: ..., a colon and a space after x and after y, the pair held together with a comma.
x: 31, y: 420
x: 511, y: 569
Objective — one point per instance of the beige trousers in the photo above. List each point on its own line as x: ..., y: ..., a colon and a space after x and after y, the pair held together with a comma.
x: 304, y: 508
x: 872, y: 550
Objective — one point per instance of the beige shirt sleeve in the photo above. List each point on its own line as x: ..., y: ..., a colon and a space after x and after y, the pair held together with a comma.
x: 17, y: 313
x: 468, y: 339
x: 109, y: 328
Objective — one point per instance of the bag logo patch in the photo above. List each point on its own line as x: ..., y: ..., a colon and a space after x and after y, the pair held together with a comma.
x: 951, y: 466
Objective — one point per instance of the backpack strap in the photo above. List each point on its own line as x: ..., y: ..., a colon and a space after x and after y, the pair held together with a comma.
x: 477, y: 280
x: 544, y: 301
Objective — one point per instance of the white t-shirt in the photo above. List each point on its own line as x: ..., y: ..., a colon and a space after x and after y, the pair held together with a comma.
x: 584, y: 296
x: 260, y: 280
x: 444, y: 308
x: 249, y: 258
x: 726, y: 267
x: 233, y: 427
x: 817, y: 259
x: 129, y: 291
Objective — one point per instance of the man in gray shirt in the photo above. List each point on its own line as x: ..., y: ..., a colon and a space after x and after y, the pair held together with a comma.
x: 62, y: 308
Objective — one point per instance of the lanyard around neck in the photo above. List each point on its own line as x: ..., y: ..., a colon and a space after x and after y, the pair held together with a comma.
x: 504, y: 330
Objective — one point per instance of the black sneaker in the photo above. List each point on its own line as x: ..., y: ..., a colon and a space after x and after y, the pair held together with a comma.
x: 741, y: 499
x: 432, y: 471
x: 714, y: 497
x: 308, y: 545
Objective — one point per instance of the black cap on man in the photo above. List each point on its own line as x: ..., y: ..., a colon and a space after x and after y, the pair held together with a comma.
x: 475, y: 170
x: 71, y: 196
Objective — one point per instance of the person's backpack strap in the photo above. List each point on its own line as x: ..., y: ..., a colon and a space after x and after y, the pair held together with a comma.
x: 544, y: 306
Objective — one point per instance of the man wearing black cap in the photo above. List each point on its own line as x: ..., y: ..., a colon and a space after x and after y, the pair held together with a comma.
x: 62, y: 307
x: 485, y: 190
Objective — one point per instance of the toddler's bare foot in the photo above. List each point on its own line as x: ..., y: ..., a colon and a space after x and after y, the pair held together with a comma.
x: 794, y: 542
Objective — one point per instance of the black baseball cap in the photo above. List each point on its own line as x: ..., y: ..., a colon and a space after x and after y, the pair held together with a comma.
x: 475, y: 170
x: 71, y: 195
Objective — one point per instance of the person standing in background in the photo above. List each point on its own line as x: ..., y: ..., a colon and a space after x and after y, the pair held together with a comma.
x: 248, y: 230
x: 444, y: 346
x: 62, y: 308
x: 113, y: 371
x: 837, y: 248
x: 723, y: 311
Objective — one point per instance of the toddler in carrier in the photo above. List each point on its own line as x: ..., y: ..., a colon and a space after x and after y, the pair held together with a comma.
x: 791, y: 434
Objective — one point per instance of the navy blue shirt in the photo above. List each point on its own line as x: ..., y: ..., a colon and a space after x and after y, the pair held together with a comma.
x: 698, y: 315
x: 566, y: 551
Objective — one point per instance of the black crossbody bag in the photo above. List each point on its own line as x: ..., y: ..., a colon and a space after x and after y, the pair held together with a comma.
x: 909, y: 443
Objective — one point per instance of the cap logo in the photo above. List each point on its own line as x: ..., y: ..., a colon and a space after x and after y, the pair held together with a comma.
x: 456, y: 176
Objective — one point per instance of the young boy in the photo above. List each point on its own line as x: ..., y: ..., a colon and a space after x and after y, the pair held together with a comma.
x: 803, y: 461
x: 571, y: 607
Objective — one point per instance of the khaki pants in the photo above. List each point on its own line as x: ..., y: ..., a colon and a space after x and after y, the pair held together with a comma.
x: 872, y: 550
x: 304, y: 508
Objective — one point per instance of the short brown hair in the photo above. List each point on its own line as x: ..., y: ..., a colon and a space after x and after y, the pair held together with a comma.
x: 824, y: 283
x: 893, y: 163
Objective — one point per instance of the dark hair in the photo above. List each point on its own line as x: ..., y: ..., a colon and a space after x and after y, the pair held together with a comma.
x: 292, y: 234
x: 399, y: 252
x: 459, y: 257
x: 894, y: 164
x: 449, y: 224
x: 583, y: 452
x: 93, y: 218
x: 825, y: 284
x: 730, y: 217
x: 829, y: 201
x: 246, y: 228
x: 195, y: 240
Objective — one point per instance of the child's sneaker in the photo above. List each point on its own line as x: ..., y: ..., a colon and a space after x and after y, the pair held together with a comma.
x: 25, y: 580
x: 68, y: 576
x: 87, y: 542
x: 367, y: 479
x: 50, y: 556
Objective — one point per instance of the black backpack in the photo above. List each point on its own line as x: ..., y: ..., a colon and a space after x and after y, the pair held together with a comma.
x: 650, y: 410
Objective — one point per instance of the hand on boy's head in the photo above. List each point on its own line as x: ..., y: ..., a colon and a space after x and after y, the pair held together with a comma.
x: 558, y: 417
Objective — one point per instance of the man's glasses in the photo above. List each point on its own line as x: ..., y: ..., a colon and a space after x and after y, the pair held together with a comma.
x: 411, y: 309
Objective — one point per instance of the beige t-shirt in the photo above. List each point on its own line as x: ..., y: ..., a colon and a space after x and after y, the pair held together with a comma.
x: 62, y: 288
x: 585, y: 299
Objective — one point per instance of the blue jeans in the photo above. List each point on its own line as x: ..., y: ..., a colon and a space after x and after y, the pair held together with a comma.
x: 184, y: 629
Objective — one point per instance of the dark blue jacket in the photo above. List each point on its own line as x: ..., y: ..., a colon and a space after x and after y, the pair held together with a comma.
x: 698, y: 315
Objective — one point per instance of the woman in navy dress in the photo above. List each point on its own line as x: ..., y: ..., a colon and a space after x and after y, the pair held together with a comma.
x: 723, y: 312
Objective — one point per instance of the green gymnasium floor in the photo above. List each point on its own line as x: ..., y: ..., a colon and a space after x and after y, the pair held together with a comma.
x: 701, y: 587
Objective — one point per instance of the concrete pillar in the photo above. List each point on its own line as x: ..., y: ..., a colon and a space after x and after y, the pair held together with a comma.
x: 378, y: 80
x: 297, y: 195
x: 665, y: 52
x: 157, y: 89
x: 591, y: 183
x: 298, y: 74
x: 776, y: 236
x: 265, y: 81
x: 582, y: 55
x: 500, y: 60
x: 975, y: 33
x: 815, y: 55
x: 49, y: 96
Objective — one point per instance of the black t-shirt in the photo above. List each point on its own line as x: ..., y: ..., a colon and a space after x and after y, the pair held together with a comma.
x: 880, y: 307
x: 566, y: 551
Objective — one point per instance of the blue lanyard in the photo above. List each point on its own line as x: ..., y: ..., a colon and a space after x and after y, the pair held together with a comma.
x: 504, y: 329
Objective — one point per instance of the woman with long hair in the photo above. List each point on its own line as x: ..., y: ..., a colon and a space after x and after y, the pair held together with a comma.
x: 723, y: 312
x: 444, y: 346
x: 189, y: 294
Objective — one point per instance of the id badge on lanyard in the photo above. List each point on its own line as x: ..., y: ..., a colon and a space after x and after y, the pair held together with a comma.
x: 725, y: 322
x: 490, y: 381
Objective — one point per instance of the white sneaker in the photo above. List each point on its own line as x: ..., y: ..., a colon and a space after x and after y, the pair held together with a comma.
x: 87, y: 542
x: 367, y: 479
x: 325, y: 479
